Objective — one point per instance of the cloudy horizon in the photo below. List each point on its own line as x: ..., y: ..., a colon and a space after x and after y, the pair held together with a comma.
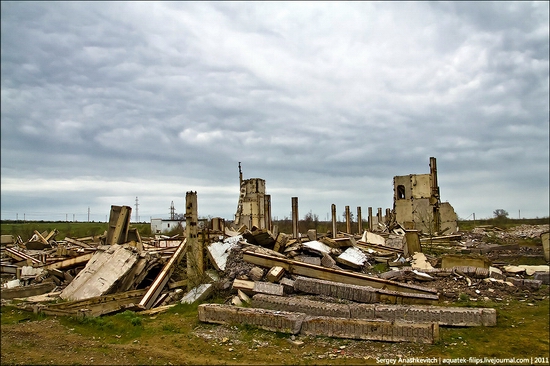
x: 103, y: 102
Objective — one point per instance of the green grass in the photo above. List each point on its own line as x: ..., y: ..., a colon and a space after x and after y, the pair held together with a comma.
x: 522, y: 330
x: 65, y: 229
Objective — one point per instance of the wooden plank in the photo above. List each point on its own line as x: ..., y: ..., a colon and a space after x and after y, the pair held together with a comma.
x: 119, y: 235
x: 163, y: 277
x: 52, y: 233
x: 20, y: 256
x: 71, y: 262
x: 40, y: 237
x: 77, y: 242
x: 330, y: 274
x: 95, y: 306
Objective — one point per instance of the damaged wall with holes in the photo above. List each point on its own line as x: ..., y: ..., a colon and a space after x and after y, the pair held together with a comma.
x: 254, y: 207
x: 417, y: 204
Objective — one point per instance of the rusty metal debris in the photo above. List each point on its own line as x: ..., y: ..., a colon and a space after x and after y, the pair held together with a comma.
x: 310, y: 283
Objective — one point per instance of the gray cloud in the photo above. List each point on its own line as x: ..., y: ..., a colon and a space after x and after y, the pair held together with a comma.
x: 326, y: 101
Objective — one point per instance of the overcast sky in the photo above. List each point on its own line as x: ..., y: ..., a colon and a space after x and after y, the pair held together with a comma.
x: 103, y: 102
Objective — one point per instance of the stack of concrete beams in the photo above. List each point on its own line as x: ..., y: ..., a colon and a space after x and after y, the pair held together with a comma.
x: 297, y: 322
x: 358, y: 293
x: 444, y: 316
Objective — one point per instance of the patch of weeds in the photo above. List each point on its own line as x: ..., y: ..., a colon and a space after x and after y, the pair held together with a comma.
x: 96, y: 322
x: 14, y: 315
x: 131, y: 317
x: 380, y: 268
x: 171, y: 328
x: 184, y: 309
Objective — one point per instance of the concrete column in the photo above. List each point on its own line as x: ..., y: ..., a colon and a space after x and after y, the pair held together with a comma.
x: 295, y: 217
x: 370, y: 218
x: 379, y: 215
x: 348, y: 220
x: 387, y: 218
x: 195, y: 260
x: 359, y: 220
x: 267, y: 212
x: 334, y: 228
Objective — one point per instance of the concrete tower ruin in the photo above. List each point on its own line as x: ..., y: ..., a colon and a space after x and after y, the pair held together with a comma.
x: 254, y: 208
x: 417, y: 204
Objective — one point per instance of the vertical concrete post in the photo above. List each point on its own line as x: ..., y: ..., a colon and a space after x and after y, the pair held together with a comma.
x: 295, y: 217
x: 267, y: 211
x: 379, y: 215
x: 370, y: 218
x: 348, y: 220
x: 359, y: 221
x: 195, y: 260
x: 334, y: 228
x: 387, y: 218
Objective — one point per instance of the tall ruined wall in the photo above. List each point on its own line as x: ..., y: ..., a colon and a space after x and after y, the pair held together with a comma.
x: 251, y: 207
x: 417, y: 205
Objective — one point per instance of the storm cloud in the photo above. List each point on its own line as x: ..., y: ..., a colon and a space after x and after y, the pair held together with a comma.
x: 327, y: 101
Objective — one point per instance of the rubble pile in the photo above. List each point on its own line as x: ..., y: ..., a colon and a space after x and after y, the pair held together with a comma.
x: 332, y: 285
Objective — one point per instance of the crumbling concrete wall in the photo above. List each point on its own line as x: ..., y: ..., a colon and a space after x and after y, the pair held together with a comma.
x: 417, y: 204
x: 251, y: 210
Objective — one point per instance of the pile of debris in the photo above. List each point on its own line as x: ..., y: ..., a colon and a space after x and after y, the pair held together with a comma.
x: 332, y: 285
x: 94, y: 275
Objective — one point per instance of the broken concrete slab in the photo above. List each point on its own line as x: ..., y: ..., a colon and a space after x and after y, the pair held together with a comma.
x: 412, y: 243
x: 514, y: 269
x: 197, y: 294
x: 544, y: 277
x: 316, y: 247
x: 450, y: 261
x: 219, y: 251
x: 301, y: 305
x: 353, y: 257
x: 288, y: 285
x: 272, y: 320
x: 372, y: 238
x: 444, y: 316
x: 377, y: 330
x: 337, y: 290
x: 316, y: 261
x: 420, y: 261
x: 530, y: 270
x: 94, y: 306
x: 101, y: 274
x: 253, y: 287
x: 294, y: 323
x: 26, y: 291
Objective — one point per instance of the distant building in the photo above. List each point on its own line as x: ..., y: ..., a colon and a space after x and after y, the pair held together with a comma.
x: 162, y: 226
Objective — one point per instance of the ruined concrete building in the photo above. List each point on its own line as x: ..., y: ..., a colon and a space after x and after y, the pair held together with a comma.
x: 254, y: 208
x: 417, y: 204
